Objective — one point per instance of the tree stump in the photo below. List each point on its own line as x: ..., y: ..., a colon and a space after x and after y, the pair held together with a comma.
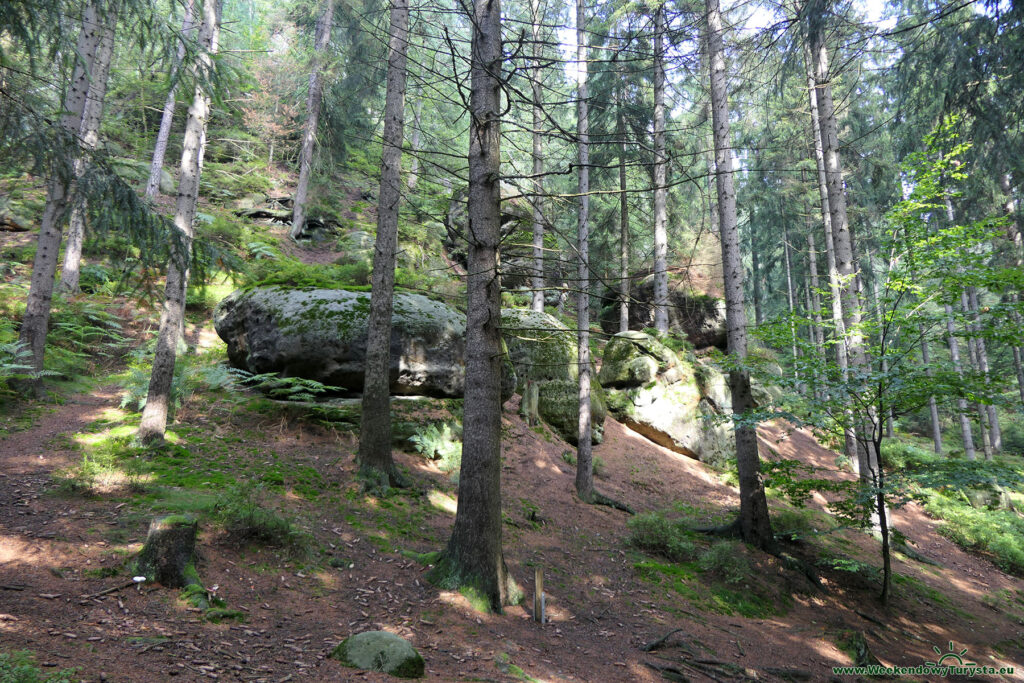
x: 169, y: 552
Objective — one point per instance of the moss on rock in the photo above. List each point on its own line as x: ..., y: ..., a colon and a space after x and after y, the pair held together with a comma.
x: 380, y: 651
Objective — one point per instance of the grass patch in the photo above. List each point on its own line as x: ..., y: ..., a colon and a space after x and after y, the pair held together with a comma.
x: 685, y: 580
x: 247, y: 518
x: 20, y: 667
x: 998, y: 534
x: 654, y: 533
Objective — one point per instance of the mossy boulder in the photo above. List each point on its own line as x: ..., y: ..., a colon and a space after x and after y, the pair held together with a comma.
x: 544, y: 351
x: 558, y: 405
x: 320, y: 334
x: 656, y: 393
x: 380, y: 651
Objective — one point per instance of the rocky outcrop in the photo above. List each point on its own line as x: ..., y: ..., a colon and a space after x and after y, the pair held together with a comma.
x: 515, y: 252
x: 698, y: 318
x: 654, y: 392
x: 320, y: 334
x: 543, y: 350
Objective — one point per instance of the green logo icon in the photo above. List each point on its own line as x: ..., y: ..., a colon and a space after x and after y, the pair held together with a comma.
x: 950, y: 658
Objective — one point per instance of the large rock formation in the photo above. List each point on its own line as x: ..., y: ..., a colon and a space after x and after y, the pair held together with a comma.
x: 320, y: 334
x: 654, y: 392
x: 543, y: 350
x: 698, y: 318
x: 515, y: 252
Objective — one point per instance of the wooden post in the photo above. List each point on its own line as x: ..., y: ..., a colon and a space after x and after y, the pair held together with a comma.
x: 538, y: 595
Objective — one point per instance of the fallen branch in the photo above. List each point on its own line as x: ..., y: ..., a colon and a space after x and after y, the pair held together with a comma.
x: 107, y: 591
x: 655, y: 644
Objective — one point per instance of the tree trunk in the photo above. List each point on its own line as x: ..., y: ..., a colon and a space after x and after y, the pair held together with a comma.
x: 154, y: 415
x: 584, y: 461
x: 995, y: 433
x: 933, y: 408
x: 974, y: 360
x: 624, y: 283
x: 755, y: 526
x: 36, y: 320
x: 817, y: 333
x: 473, y: 556
x: 415, y: 142
x: 791, y: 301
x: 848, y: 301
x: 755, y: 274
x: 660, y: 189
x: 537, y: 300
x: 89, y: 135
x: 375, y: 463
x: 313, y: 102
x: 890, y: 430
x: 167, y: 119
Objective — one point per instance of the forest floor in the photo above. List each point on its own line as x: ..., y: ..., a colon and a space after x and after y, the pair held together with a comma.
x: 60, y: 552
x: 65, y: 547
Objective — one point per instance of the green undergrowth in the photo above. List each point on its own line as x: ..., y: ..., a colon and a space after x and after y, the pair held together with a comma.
x: 716, y: 576
x: 20, y: 666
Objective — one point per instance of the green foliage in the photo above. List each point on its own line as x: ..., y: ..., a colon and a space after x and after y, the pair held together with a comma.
x: 192, y: 374
x: 15, y: 363
x: 654, y: 533
x: 83, y: 334
x: 440, y: 441
x: 20, y: 667
x: 247, y: 518
x: 292, y: 273
x: 726, y: 560
x: 897, y: 454
x: 283, y: 388
x: 997, y: 533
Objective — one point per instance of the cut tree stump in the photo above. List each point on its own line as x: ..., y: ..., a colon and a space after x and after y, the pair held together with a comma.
x: 168, y: 556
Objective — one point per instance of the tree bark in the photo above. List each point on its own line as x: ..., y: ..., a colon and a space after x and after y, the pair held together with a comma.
x: 89, y: 135
x: 848, y: 300
x: 660, y: 188
x: 537, y: 300
x: 791, y: 301
x: 156, y: 167
x: 313, y: 102
x: 995, y: 433
x: 154, y: 416
x: 36, y: 320
x: 473, y: 556
x: 933, y: 408
x: 415, y: 142
x: 375, y: 462
x: 584, y: 448
x: 624, y: 284
x: 755, y: 525
x: 974, y: 360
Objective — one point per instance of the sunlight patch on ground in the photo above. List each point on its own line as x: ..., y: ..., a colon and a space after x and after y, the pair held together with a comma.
x: 442, y: 501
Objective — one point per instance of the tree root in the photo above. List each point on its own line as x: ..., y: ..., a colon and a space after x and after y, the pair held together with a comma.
x: 655, y: 644
x: 601, y: 499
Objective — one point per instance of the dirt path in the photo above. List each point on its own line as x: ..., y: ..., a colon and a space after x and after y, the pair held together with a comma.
x: 58, y: 552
